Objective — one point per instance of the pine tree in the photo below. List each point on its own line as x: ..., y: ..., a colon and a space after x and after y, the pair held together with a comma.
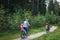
x: 56, y: 8
x: 50, y: 6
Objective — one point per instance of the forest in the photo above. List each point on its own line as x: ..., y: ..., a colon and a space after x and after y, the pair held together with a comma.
x: 14, y: 12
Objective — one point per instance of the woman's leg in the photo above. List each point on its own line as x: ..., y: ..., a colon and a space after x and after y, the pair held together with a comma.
x: 26, y: 29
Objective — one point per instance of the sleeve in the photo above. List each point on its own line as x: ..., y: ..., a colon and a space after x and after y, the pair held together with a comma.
x: 28, y: 24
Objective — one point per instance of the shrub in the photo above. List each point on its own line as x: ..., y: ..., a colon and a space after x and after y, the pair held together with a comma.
x: 37, y: 21
x: 52, y: 19
x: 4, y: 23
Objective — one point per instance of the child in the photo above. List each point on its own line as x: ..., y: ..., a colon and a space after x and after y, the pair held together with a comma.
x: 47, y: 27
x: 21, y: 27
x: 23, y: 32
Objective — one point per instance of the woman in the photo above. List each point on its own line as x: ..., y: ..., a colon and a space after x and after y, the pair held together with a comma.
x: 26, y: 24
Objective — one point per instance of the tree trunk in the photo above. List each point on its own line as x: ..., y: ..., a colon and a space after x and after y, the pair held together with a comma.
x: 35, y: 7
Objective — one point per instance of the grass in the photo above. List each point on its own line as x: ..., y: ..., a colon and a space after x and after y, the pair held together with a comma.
x: 16, y: 34
x: 50, y: 36
x: 9, y: 36
x: 36, y: 30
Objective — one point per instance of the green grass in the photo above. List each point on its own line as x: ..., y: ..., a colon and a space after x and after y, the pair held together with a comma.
x: 36, y: 30
x: 50, y: 36
x: 16, y: 34
x: 9, y: 36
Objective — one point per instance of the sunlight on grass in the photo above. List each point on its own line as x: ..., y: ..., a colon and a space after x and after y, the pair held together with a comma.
x: 50, y: 36
x: 36, y: 30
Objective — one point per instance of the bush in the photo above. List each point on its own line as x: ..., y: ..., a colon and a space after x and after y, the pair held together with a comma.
x: 4, y: 23
x: 52, y: 19
x: 12, y: 23
x: 37, y: 21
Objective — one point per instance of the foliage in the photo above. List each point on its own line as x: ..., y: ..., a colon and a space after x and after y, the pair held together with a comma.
x: 33, y: 5
x: 56, y: 8
x: 13, y: 22
x: 50, y: 6
x: 37, y: 21
x: 52, y: 19
x: 4, y: 20
x: 38, y: 6
x: 14, y: 12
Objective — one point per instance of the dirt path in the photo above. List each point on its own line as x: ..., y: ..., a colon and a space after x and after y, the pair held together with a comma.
x: 53, y: 28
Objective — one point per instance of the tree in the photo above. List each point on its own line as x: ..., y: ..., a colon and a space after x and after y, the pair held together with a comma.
x: 56, y: 8
x: 50, y: 6
x: 35, y: 5
x: 38, y: 6
x: 42, y: 7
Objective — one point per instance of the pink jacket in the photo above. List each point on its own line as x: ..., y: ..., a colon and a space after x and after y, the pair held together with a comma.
x: 21, y: 28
